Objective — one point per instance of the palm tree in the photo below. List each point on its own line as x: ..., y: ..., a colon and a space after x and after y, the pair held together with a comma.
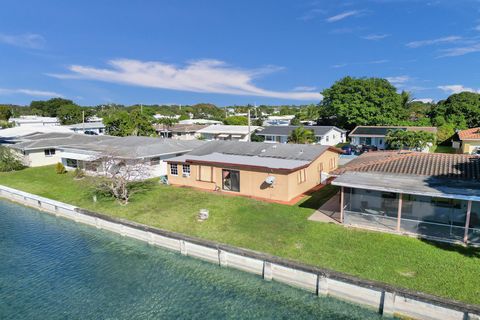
x: 302, y: 136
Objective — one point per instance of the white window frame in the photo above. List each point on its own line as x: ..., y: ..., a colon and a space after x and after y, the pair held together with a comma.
x: 186, y: 170
x: 172, y: 171
x: 49, y: 153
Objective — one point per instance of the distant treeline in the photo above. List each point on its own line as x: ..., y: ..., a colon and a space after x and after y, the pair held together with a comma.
x: 347, y: 103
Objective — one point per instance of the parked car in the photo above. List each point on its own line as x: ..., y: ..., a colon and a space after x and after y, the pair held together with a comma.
x: 349, y: 149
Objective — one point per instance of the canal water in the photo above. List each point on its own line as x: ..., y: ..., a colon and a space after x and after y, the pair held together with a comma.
x: 51, y: 268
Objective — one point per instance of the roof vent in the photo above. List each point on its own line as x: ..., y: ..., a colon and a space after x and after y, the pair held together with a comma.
x: 263, y: 150
x: 274, y: 146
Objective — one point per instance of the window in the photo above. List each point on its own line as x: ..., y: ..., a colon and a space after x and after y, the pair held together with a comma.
x: 186, y: 170
x: 326, y: 138
x: 72, y: 163
x: 269, y: 138
x: 231, y: 180
x: 49, y: 152
x: 301, y: 176
x: 173, y: 169
x: 154, y: 161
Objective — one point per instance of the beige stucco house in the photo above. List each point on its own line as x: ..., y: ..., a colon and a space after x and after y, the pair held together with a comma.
x: 469, y: 141
x: 279, y: 172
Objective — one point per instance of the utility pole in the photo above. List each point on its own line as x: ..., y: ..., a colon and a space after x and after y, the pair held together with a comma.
x: 249, y: 135
x: 83, y: 121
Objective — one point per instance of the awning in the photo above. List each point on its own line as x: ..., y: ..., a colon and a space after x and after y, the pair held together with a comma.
x: 79, y: 156
x: 223, y: 135
x: 236, y: 135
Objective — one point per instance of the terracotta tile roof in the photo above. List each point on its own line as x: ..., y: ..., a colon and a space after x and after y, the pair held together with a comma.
x: 473, y: 134
x: 444, y: 165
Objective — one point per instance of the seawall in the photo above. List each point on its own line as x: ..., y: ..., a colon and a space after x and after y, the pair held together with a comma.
x: 386, y: 299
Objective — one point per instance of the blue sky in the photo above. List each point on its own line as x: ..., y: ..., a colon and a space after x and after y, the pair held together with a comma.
x: 232, y: 52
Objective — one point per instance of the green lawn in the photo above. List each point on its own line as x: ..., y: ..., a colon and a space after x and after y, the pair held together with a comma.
x: 443, y: 149
x: 448, y: 271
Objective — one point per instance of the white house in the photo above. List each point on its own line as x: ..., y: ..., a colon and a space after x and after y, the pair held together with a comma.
x: 199, y: 121
x: 88, y: 152
x: 91, y: 128
x: 375, y: 135
x: 225, y: 132
x: 324, y: 135
x: 34, y: 121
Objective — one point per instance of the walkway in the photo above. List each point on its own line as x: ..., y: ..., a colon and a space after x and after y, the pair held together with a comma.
x: 329, y: 212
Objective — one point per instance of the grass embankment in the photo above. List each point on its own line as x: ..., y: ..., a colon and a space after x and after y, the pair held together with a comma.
x: 443, y: 149
x: 448, y: 271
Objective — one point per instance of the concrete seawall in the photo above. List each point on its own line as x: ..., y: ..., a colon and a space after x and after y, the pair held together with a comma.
x: 387, y: 299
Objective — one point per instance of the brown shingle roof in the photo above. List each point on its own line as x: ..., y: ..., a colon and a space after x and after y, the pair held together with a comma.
x: 444, y: 165
x: 473, y: 134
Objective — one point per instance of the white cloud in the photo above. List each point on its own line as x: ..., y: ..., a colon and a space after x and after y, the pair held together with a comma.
x: 477, y: 28
x: 342, y: 16
x: 28, y: 40
x: 424, y: 100
x: 304, y: 88
x: 375, y: 37
x: 29, y: 92
x: 312, y: 14
x: 398, y: 80
x: 422, y: 43
x: 204, y: 76
x: 457, y: 88
x: 460, y: 51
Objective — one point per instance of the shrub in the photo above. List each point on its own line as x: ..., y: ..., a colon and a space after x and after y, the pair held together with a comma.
x: 79, y: 173
x: 60, y: 168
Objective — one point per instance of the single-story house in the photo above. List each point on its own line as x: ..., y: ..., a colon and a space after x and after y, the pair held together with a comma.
x: 180, y: 131
x: 15, y: 134
x: 88, y: 152
x: 91, y: 128
x: 34, y: 121
x: 422, y: 194
x: 41, y: 149
x: 199, y: 121
x: 279, y: 172
x: 152, y: 152
x: 375, y: 135
x: 468, y: 141
x: 278, y: 120
x: 324, y: 135
x: 226, y: 132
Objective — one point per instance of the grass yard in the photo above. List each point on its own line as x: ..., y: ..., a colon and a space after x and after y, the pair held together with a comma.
x: 443, y: 149
x: 443, y: 270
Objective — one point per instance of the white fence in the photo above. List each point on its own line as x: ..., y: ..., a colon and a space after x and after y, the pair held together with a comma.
x: 387, y: 300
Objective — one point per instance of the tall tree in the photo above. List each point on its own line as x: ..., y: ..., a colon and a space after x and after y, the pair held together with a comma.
x: 411, y: 140
x: 69, y: 114
x: 5, y: 113
x: 50, y: 107
x: 361, y: 101
x: 236, y: 121
x: 302, y: 135
x: 462, y: 110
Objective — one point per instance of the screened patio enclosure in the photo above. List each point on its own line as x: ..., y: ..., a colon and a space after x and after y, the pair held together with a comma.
x: 392, y: 207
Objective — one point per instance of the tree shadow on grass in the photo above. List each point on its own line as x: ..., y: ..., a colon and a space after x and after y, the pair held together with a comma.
x: 472, y: 252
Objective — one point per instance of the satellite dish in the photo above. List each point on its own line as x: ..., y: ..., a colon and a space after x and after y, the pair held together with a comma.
x: 270, y: 180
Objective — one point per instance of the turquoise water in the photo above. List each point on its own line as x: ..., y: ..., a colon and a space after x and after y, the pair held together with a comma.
x: 52, y: 268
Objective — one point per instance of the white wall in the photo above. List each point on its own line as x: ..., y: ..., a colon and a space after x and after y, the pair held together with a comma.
x: 37, y: 158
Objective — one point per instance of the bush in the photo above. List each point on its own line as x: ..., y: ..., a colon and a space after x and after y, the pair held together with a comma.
x: 9, y: 161
x: 79, y: 173
x: 60, y: 168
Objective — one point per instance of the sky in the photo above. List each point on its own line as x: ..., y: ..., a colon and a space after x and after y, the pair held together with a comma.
x: 233, y: 52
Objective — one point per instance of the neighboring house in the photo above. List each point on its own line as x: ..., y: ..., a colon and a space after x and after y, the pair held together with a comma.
x: 225, y: 132
x: 324, y: 135
x: 199, y: 121
x: 152, y: 152
x: 278, y: 120
x: 420, y: 194
x: 279, y: 172
x: 15, y: 134
x: 41, y: 149
x: 375, y: 135
x: 468, y: 141
x: 91, y: 128
x: 87, y: 152
x: 34, y: 121
x: 180, y: 131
